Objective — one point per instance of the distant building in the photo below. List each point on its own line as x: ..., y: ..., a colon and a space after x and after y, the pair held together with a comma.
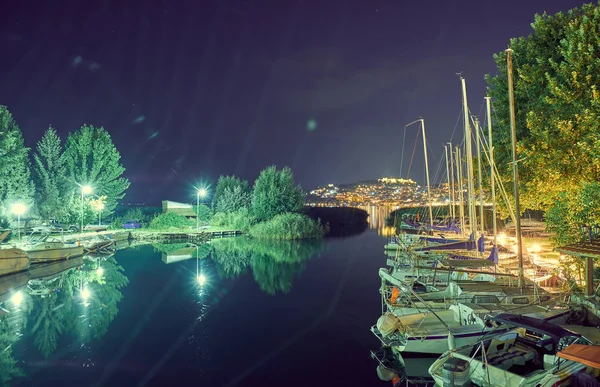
x: 183, y: 209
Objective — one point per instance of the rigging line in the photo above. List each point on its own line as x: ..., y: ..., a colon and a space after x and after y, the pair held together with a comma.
x: 413, y: 153
x: 402, y: 154
x: 457, y: 121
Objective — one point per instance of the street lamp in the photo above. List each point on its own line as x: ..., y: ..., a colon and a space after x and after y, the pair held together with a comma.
x: 200, y: 194
x: 86, y: 189
x: 100, y: 208
x: 18, y: 209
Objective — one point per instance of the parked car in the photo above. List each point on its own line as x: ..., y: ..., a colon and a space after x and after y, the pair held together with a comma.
x: 132, y: 224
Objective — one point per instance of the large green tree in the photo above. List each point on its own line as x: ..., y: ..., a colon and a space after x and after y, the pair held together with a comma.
x: 15, y: 173
x: 52, y: 188
x: 557, y: 106
x: 92, y: 159
x: 231, y: 194
x: 275, y: 192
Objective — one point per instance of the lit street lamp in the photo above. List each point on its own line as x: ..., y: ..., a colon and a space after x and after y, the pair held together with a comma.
x: 18, y: 209
x: 86, y: 189
x: 100, y: 208
x: 200, y: 194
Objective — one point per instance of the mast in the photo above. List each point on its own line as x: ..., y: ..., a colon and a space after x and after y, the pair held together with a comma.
x: 427, y: 174
x: 448, y: 177
x: 452, y: 199
x: 479, y: 179
x: 513, y: 130
x: 469, y: 151
x: 492, y: 182
x: 461, y: 196
x: 422, y: 121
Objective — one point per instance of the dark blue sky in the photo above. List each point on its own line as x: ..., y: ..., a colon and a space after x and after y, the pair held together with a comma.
x: 190, y: 90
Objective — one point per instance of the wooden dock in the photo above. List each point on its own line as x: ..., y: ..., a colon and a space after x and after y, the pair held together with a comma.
x: 180, y: 236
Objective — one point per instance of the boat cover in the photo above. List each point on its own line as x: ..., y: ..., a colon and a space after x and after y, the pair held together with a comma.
x: 584, y: 354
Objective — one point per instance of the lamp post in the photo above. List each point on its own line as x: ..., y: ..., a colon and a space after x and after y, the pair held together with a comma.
x: 86, y: 189
x: 200, y: 194
x: 18, y: 209
x: 100, y: 208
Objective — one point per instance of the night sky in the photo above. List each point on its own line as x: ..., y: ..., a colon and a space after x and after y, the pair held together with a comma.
x: 190, y: 90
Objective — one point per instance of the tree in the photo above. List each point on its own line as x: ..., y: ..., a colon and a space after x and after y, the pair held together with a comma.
x: 226, y: 187
x: 92, y: 158
x: 233, y: 199
x: 275, y: 193
x: 15, y: 173
x: 573, y: 209
x: 50, y: 175
x: 557, y: 106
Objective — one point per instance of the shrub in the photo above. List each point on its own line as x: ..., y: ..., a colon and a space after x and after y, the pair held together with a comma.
x: 169, y: 221
x: 237, y: 220
x: 117, y: 223
x: 288, y: 226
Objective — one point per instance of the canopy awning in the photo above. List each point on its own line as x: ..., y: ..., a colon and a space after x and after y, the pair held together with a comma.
x: 584, y: 354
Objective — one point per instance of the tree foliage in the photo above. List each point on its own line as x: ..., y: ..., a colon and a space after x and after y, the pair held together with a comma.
x: 572, y: 210
x: 231, y: 194
x: 50, y: 176
x: 288, y: 226
x: 15, y: 173
x: 275, y: 192
x: 557, y: 106
x: 92, y: 158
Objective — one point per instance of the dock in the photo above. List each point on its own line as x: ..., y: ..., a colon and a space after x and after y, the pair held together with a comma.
x: 181, y: 236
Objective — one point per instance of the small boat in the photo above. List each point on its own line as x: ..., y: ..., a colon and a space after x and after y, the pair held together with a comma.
x: 461, y: 324
x: 100, y: 245
x: 4, y: 234
x: 13, y: 261
x: 46, y: 248
x: 525, y: 355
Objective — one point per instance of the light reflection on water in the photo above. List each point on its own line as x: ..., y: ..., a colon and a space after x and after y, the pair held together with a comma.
x: 57, y: 337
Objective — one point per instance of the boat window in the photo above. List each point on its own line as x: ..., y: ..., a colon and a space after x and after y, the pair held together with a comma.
x: 520, y: 300
x: 480, y: 299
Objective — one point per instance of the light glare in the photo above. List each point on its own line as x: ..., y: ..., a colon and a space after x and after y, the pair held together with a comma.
x: 85, y: 294
x: 201, y: 279
x: 17, y: 298
x: 86, y: 189
x: 100, y: 271
x: 18, y: 208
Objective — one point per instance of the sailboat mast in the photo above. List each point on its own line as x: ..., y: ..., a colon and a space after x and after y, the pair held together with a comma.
x: 479, y: 178
x: 511, y: 103
x: 427, y: 174
x: 492, y: 182
x: 448, y: 177
x: 452, y: 197
x: 469, y: 151
x: 461, y: 196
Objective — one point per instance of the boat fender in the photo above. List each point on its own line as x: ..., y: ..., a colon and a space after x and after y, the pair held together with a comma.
x: 385, y: 374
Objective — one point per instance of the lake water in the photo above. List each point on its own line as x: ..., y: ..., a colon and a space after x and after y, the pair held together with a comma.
x: 269, y: 314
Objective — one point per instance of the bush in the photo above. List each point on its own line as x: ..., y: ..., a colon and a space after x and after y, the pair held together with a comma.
x: 288, y: 226
x: 169, y: 221
x: 116, y: 224
x: 237, y: 220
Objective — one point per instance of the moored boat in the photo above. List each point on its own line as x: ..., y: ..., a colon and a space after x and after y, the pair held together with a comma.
x: 13, y: 261
x: 46, y: 248
x: 523, y: 356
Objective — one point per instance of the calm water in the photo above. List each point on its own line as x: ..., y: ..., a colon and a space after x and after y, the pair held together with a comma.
x: 268, y: 315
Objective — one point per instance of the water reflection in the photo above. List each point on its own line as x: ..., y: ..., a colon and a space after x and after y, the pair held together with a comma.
x: 274, y: 264
x: 377, y: 219
x: 77, y: 297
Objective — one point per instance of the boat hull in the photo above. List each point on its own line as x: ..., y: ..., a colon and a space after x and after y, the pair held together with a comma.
x: 48, y: 255
x: 13, y: 261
